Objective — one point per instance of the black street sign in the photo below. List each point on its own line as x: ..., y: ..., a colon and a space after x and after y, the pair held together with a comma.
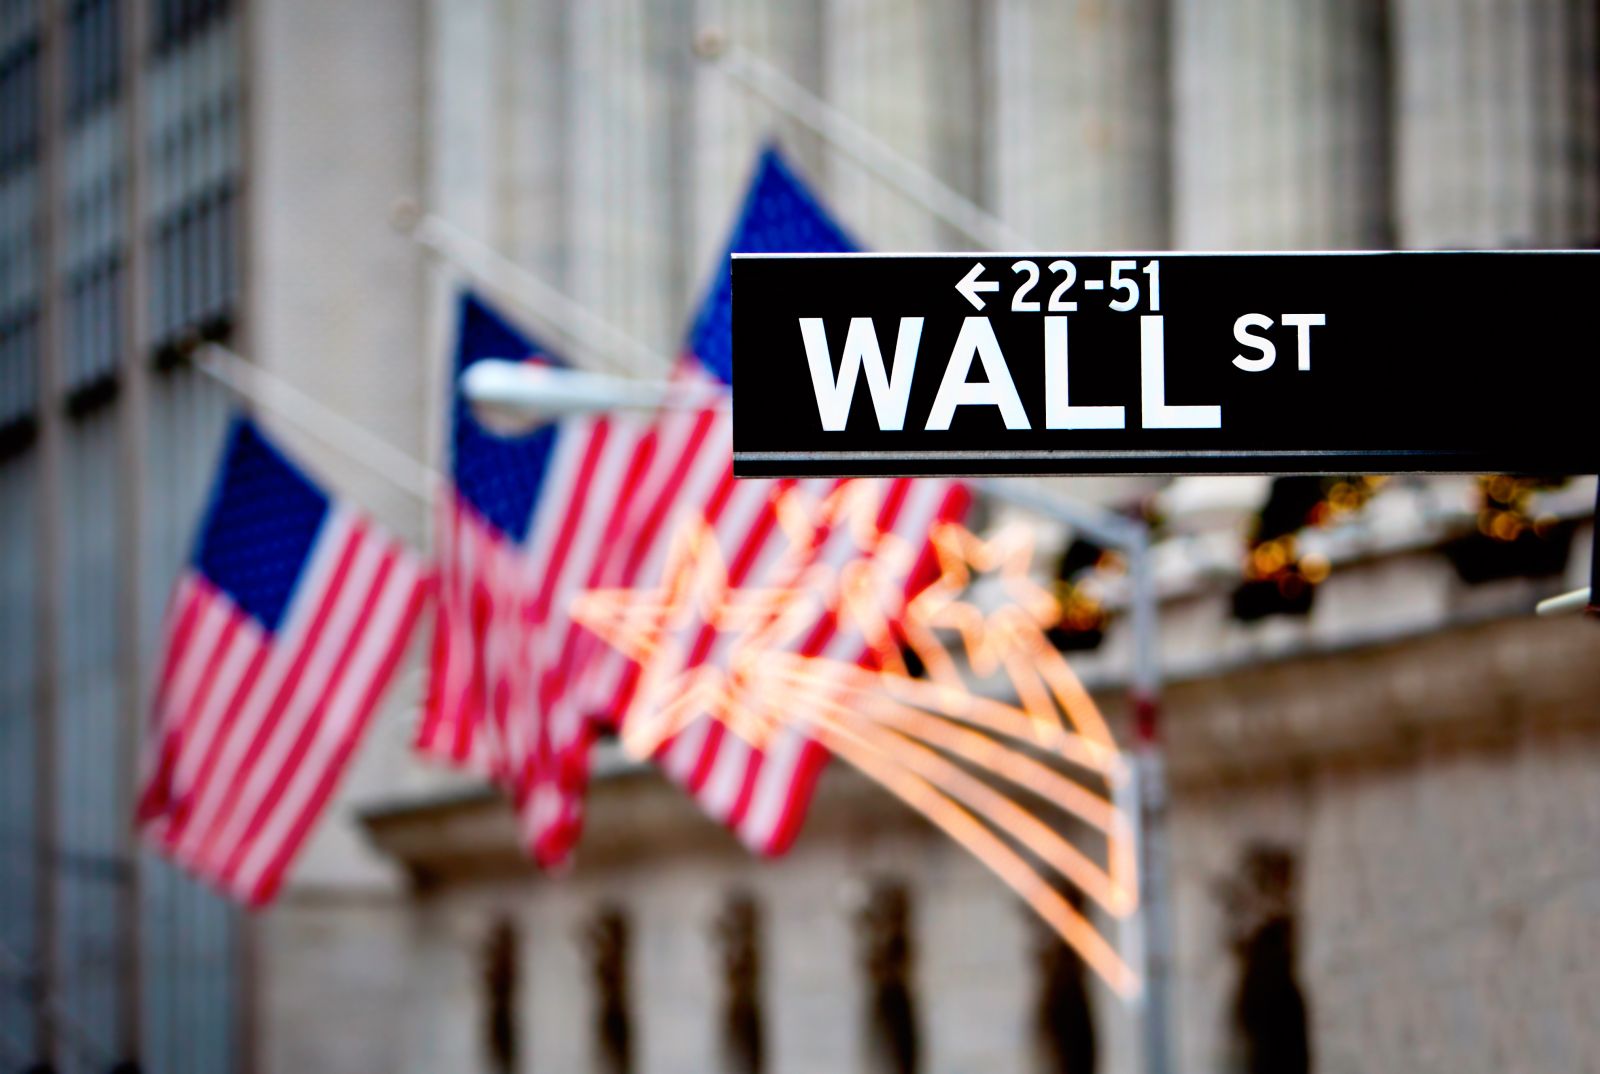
x: 968, y: 364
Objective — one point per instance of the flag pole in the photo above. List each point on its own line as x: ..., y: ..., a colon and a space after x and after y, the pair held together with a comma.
x: 330, y: 428
x: 597, y: 337
x: 852, y: 140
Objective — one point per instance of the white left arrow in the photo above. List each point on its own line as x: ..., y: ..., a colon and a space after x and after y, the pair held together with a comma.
x: 970, y: 285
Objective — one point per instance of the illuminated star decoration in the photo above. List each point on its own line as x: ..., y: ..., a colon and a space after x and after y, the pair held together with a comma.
x: 932, y: 742
x: 1012, y: 637
x: 652, y: 626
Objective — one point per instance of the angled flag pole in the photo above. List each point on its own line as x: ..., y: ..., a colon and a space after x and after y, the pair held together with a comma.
x: 1580, y: 600
x: 349, y: 438
x: 854, y: 141
x: 482, y: 263
x: 1575, y: 601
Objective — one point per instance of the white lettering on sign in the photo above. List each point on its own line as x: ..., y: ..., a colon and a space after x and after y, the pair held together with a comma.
x: 970, y: 285
x: 977, y: 337
x: 890, y: 392
x: 1058, y: 412
x: 1268, y: 349
x: 1303, y: 323
x: 890, y: 389
x: 1157, y: 413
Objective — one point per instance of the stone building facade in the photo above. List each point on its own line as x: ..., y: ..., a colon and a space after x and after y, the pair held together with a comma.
x: 1405, y: 777
x: 1428, y: 787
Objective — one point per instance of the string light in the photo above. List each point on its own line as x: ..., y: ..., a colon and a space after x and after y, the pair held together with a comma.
x: 904, y: 732
x: 1278, y: 578
x: 1513, y: 538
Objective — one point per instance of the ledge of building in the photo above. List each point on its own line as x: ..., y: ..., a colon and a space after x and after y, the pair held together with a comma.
x: 633, y: 815
x: 1481, y: 684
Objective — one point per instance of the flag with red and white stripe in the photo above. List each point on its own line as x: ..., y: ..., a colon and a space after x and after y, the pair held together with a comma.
x: 529, y: 520
x: 760, y: 793
x: 286, y: 625
x: 518, y: 690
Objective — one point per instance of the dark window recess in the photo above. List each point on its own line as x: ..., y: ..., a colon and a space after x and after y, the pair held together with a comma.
x: 17, y: 436
x: 741, y: 1036
x: 1270, y: 1017
x: 20, y: 87
x: 500, y: 998
x: 173, y: 22
x: 1063, y: 1019
x: 94, y: 55
x: 194, y: 275
x: 193, y: 245
x: 605, y: 940
x: 883, y: 929
x: 93, y: 316
x: 19, y: 361
x: 92, y: 395
x: 19, y: 104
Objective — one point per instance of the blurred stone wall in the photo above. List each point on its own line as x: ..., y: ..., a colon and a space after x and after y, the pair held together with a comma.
x: 1436, y: 797
x: 1440, y: 922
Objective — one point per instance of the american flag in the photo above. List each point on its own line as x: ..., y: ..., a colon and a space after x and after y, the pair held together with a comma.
x: 527, y: 522
x: 285, y: 627
x: 518, y: 690
x: 761, y: 794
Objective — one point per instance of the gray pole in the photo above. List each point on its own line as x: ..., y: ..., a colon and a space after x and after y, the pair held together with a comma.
x: 1155, y: 947
x: 1145, y: 700
x: 857, y: 143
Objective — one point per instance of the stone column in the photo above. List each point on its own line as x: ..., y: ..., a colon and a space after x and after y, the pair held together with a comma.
x: 531, y: 102
x: 911, y: 73
x: 730, y: 125
x: 1281, y: 137
x: 1497, y: 127
x: 627, y: 120
x: 1078, y: 146
x: 334, y: 292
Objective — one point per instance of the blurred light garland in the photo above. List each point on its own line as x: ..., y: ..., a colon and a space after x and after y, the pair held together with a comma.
x: 1278, y: 578
x: 1511, y: 539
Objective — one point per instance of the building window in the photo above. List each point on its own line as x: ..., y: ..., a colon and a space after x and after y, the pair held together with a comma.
x: 20, y: 255
x: 500, y: 998
x: 94, y: 233
x: 1269, y: 1009
x: 1063, y: 1020
x: 194, y: 148
x: 175, y: 22
x: 741, y: 1036
x: 94, y: 55
x: 884, y: 937
x: 606, y: 941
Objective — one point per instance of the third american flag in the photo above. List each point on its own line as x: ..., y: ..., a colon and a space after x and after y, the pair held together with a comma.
x: 522, y: 691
